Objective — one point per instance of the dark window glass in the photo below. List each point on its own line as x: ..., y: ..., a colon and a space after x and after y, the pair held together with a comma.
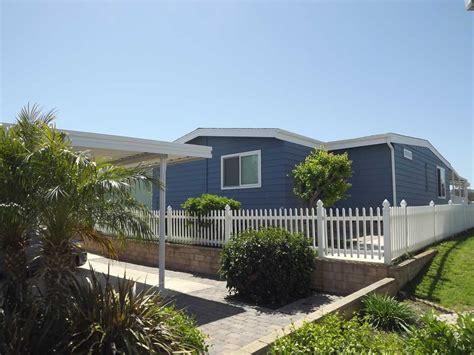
x: 231, y: 171
x: 426, y: 176
x: 441, y: 178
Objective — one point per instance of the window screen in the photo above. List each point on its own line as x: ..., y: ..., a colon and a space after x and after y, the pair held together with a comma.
x: 231, y: 171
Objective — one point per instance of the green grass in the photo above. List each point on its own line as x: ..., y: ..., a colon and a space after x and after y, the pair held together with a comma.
x: 449, y: 279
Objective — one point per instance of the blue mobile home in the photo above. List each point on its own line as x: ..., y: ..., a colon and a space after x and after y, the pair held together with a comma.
x: 254, y: 167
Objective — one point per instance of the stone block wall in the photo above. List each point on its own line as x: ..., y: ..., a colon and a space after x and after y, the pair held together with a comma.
x: 179, y: 257
x: 339, y: 277
x: 342, y: 277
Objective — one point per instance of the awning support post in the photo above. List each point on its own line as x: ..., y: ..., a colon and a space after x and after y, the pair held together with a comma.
x: 161, y: 260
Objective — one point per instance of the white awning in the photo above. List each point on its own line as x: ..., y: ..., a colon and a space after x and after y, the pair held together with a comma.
x: 129, y: 150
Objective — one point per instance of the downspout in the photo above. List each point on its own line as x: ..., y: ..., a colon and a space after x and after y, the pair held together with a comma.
x: 394, y: 184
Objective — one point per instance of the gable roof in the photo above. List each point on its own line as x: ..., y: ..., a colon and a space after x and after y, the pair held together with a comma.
x: 251, y: 132
x: 313, y: 143
x: 387, y: 138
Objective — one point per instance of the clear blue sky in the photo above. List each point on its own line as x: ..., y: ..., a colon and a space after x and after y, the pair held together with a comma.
x: 326, y: 69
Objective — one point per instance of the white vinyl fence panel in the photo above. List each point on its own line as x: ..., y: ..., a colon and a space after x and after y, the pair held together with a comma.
x: 354, y: 234
x: 414, y: 228
x: 365, y: 234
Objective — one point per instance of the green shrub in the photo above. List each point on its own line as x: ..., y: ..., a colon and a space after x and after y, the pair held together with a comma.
x: 334, y: 335
x: 104, y: 320
x: 386, y: 313
x: 436, y: 336
x: 202, y: 205
x: 269, y: 266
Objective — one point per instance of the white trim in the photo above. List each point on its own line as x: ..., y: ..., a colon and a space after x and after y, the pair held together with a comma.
x: 243, y: 154
x: 469, y: 5
x: 251, y: 132
x: 90, y: 140
x: 394, y: 182
x: 437, y: 187
x: 407, y: 154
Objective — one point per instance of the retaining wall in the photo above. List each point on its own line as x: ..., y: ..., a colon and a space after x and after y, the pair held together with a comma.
x: 179, y: 257
x: 340, y: 277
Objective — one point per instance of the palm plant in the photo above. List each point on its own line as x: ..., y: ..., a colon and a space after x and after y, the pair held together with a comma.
x: 17, y: 207
x: 77, y: 195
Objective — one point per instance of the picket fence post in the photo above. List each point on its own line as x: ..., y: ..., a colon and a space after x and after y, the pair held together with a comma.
x: 169, y: 216
x: 387, y: 241
x: 403, y: 205
x: 452, y: 225
x: 228, y: 223
x: 321, y: 229
x: 464, y: 212
x: 432, y: 204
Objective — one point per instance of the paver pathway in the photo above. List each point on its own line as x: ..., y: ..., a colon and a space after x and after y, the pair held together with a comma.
x: 228, y: 323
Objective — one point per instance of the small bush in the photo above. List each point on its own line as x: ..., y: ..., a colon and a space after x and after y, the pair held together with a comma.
x: 202, y: 205
x: 269, y: 266
x: 436, y: 336
x: 107, y: 320
x: 386, y: 313
x: 334, y: 335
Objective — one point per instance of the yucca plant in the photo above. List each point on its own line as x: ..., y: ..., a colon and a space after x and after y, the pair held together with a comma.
x: 112, y: 317
x: 386, y: 313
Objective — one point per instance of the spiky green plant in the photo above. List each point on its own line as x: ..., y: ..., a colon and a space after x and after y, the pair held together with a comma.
x: 386, y: 313
x: 18, y: 208
x: 62, y: 193
x: 112, y: 316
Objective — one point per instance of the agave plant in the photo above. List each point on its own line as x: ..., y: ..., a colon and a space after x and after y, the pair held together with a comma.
x: 109, y: 316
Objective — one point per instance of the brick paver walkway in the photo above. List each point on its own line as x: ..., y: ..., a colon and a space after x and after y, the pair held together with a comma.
x: 228, y: 323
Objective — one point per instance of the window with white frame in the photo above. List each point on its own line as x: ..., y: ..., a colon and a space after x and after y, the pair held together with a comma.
x: 407, y: 154
x: 241, y: 170
x: 441, y: 179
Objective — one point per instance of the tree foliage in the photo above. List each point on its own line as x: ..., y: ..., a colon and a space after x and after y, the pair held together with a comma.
x: 322, y: 176
x: 202, y: 205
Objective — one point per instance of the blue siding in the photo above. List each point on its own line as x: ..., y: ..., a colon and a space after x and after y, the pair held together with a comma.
x: 371, y: 176
x: 183, y: 180
x: 192, y: 179
x: 416, y: 185
x: 371, y: 180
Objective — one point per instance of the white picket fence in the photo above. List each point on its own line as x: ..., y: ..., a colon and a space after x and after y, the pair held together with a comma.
x: 379, y: 234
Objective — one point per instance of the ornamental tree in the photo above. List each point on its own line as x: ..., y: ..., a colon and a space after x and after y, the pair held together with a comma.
x: 322, y: 176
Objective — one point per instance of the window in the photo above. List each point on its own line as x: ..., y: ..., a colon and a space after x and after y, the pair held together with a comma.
x: 407, y: 154
x: 240, y: 171
x: 441, y: 179
x: 426, y: 177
